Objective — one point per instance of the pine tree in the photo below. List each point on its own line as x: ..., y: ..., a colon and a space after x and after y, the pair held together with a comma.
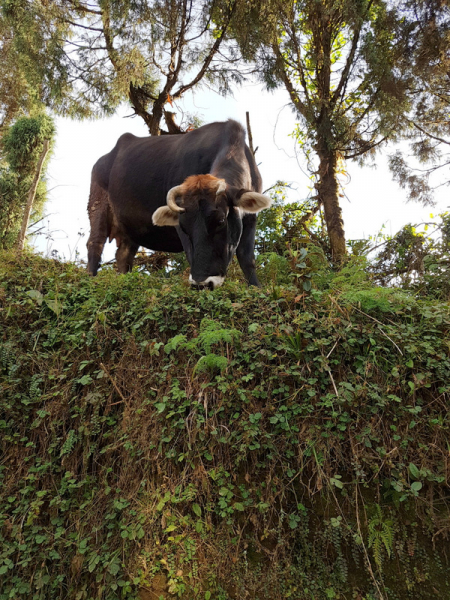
x: 90, y: 57
x: 427, y: 123
x: 339, y: 61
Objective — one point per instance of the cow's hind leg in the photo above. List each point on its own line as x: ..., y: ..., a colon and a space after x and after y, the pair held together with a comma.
x: 125, y: 255
x: 100, y: 219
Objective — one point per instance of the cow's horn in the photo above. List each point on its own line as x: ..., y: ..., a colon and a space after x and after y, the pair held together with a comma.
x: 172, y: 195
x: 221, y: 188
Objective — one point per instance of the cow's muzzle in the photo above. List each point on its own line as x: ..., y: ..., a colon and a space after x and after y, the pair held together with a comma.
x: 211, y: 283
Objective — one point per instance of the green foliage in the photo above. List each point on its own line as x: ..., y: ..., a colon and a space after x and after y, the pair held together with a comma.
x: 381, y: 536
x: 17, y: 96
x: 23, y: 142
x: 210, y: 334
x: 285, y: 224
x: 417, y: 258
x: 22, y: 146
x: 355, y: 285
x: 217, y: 444
x: 274, y: 268
x: 211, y: 363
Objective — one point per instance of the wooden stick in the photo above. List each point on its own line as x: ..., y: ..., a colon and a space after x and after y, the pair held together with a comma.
x: 114, y: 384
x: 249, y: 131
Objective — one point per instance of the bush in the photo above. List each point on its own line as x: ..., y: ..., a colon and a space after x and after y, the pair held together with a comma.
x: 238, y: 443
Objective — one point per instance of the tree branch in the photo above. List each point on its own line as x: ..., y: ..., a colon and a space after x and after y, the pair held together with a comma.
x: 299, y: 105
x: 434, y: 137
x: 212, y: 52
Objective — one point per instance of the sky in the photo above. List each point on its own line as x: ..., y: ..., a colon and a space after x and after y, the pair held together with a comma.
x: 372, y: 199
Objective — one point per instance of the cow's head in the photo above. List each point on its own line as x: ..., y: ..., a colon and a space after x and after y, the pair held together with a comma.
x: 208, y: 214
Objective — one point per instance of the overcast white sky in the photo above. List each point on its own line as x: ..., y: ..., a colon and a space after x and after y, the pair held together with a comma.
x: 373, y: 199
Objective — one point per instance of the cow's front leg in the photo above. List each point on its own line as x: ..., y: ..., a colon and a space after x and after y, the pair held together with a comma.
x: 245, y: 251
x: 125, y: 255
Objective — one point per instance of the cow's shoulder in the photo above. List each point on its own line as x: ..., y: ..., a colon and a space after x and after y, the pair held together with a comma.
x: 102, y: 169
x: 234, y: 128
x: 126, y: 140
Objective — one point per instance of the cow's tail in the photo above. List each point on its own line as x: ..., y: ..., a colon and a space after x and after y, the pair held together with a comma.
x: 100, y: 217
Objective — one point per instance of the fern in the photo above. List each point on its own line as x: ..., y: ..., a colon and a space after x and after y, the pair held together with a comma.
x: 382, y: 299
x: 212, y: 332
x: 69, y: 444
x: 7, y: 358
x: 35, y: 390
x: 211, y: 363
x: 174, y: 343
x: 381, y: 536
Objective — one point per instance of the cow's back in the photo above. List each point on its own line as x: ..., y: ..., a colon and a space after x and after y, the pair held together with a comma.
x: 161, y: 162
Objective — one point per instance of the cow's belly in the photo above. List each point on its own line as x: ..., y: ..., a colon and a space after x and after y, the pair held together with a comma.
x: 134, y: 221
x: 164, y: 239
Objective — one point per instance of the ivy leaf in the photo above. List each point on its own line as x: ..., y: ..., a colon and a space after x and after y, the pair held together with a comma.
x: 40, y: 538
x: 36, y: 295
x: 85, y: 380
x: 114, y: 568
x: 414, y: 470
x: 54, y: 305
x: 336, y: 481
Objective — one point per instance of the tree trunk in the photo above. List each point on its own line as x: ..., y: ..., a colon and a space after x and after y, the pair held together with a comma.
x: 328, y: 192
x: 157, y: 114
x: 31, y: 196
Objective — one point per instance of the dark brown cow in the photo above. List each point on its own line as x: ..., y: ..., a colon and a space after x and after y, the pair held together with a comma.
x: 197, y: 192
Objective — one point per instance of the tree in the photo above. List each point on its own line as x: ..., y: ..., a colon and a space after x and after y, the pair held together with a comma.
x: 427, y: 123
x: 92, y: 56
x: 16, y: 95
x: 22, y: 188
x: 338, y: 60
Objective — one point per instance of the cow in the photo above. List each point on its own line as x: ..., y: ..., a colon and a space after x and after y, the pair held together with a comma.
x: 199, y: 192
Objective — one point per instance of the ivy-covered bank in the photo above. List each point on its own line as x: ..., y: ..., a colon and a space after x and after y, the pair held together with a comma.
x: 264, y: 444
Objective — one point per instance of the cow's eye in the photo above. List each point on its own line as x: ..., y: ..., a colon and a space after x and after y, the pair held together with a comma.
x: 221, y: 222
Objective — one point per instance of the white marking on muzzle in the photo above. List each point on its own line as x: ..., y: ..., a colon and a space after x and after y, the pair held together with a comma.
x: 216, y: 281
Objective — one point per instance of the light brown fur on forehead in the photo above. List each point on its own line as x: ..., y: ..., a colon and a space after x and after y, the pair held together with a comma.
x: 195, y: 184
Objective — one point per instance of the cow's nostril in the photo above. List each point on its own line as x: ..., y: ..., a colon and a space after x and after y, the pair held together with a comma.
x: 212, y: 282
x: 202, y: 286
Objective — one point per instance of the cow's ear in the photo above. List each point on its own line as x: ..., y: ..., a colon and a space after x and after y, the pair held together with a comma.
x: 163, y: 217
x: 252, y: 202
